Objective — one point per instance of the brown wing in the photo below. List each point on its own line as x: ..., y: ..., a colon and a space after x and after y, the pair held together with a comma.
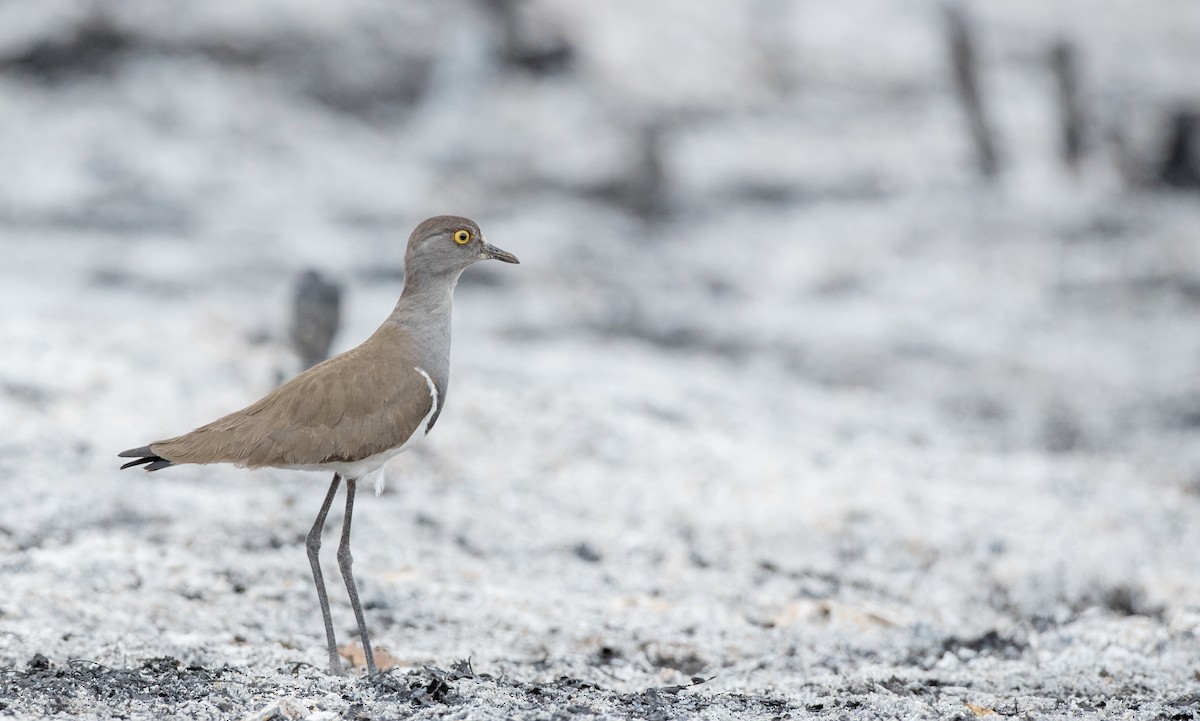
x: 350, y: 407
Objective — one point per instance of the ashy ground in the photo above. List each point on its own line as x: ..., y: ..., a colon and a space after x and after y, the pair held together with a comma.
x: 784, y: 414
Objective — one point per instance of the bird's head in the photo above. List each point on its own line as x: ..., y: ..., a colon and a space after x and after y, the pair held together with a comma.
x: 446, y: 244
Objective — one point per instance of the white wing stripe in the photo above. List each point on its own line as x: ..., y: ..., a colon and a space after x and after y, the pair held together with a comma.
x: 418, y: 432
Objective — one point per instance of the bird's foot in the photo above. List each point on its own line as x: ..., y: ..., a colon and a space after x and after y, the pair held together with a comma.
x: 336, y: 667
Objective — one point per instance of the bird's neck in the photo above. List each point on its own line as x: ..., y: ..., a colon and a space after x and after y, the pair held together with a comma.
x: 424, y: 312
x: 428, y: 287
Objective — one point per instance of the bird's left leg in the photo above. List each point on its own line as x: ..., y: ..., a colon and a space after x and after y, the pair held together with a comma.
x: 345, y: 561
x: 313, y: 544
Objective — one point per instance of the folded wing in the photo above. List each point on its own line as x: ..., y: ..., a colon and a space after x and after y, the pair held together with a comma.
x: 353, y: 406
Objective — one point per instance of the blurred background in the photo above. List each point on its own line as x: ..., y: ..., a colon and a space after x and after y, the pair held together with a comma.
x: 891, y: 285
x: 992, y: 209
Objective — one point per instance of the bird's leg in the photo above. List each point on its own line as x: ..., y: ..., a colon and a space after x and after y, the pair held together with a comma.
x: 313, y: 544
x: 345, y: 561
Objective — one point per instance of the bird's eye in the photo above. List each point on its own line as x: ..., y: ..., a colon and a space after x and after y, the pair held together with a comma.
x: 462, y: 237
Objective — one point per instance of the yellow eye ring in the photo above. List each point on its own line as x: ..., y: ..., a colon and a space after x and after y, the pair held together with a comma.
x: 462, y: 237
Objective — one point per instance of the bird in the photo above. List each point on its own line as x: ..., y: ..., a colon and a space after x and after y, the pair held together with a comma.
x: 352, y: 413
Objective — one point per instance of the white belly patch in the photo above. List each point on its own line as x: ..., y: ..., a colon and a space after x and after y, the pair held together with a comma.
x: 417, y: 434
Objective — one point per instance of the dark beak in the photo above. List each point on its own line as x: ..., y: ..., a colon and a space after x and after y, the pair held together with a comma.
x: 491, y: 251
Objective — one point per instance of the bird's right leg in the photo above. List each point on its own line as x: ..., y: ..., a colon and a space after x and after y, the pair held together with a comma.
x: 313, y: 544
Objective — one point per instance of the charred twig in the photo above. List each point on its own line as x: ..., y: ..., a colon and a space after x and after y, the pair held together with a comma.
x: 1064, y: 65
x: 965, y: 65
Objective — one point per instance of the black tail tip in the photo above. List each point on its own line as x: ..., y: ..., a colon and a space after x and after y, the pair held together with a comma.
x: 144, y: 455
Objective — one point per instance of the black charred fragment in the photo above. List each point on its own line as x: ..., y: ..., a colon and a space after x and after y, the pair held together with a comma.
x: 462, y: 669
x: 1180, y: 165
x: 584, y: 551
x: 526, y: 46
x: 316, y: 316
x: 566, y: 695
x: 157, y: 687
x: 77, y: 686
x: 93, y: 48
x: 430, y: 686
x: 988, y: 644
x: 695, y: 681
x: 607, y: 656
